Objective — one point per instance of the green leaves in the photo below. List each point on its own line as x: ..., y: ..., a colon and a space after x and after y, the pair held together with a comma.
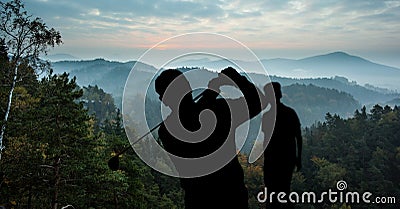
x: 363, y: 150
x: 25, y: 36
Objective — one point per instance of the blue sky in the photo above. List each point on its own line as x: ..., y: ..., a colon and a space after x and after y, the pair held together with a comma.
x: 123, y: 29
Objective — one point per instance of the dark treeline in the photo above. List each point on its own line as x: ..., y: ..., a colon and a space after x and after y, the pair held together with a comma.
x: 363, y: 150
x: 60, y: 138
x: 312, y: 102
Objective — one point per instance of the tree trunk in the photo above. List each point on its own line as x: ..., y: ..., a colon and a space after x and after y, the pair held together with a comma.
x: 7, y: 113
x: 29, y: 198
x: 115, y: 200
x: 56, y: 166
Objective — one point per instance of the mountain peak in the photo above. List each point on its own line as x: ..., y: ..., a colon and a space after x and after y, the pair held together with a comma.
x: 344, y: 55
x: 335, y: 57
x: 60, y: 57
x: 339, y: 53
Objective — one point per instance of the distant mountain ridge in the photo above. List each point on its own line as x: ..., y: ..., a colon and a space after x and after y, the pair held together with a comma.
x: 327, y: 65
x: 108, y: 75
x: 369, y: 95
x: 339, y: 64
x: 60, y: 57
x: 111, y: 76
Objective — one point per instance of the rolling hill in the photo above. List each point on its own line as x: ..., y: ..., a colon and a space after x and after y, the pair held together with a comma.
x: 328, y: 65
x: 111, y: 76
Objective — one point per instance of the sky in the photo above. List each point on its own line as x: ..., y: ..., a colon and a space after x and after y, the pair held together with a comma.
x: 124, y: 29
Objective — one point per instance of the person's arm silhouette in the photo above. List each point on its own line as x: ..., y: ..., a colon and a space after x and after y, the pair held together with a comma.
x: 252, y: 100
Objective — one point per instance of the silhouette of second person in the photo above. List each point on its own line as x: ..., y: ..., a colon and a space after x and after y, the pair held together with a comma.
x: 225, y: 187
x: 280, y: 156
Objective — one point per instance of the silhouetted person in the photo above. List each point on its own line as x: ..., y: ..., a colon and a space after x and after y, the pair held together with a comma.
x: 280, y: 157
x: 224, y: 188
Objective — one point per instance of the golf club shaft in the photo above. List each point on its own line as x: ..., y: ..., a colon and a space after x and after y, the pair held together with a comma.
x: 147, y: 133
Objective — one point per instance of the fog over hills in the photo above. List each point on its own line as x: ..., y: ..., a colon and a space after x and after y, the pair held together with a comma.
x: 328, y: 65
x: 342, y: 95
x: 60, y: 57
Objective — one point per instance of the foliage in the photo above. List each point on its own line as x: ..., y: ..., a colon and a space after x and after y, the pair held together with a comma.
x: 312, y: 102
x: 99, y: 103
x: 26, y: 37
x: 254, y: 181
x: 362, y: 150
x: 55, y: 157
x: 52, y: 123
x: 23, y: 38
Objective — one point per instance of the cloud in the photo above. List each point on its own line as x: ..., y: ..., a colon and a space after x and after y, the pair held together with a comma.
x: 94, y: 12
x: 259, y: 24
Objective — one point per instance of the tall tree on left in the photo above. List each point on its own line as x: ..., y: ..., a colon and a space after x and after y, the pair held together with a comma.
x: 25, y: 37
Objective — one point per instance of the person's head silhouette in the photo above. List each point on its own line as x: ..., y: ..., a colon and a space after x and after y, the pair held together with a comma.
x: 277, y: 90
x: 173, y: 89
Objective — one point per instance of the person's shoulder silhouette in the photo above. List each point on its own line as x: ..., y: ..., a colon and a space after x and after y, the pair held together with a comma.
x: 287, y: 124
